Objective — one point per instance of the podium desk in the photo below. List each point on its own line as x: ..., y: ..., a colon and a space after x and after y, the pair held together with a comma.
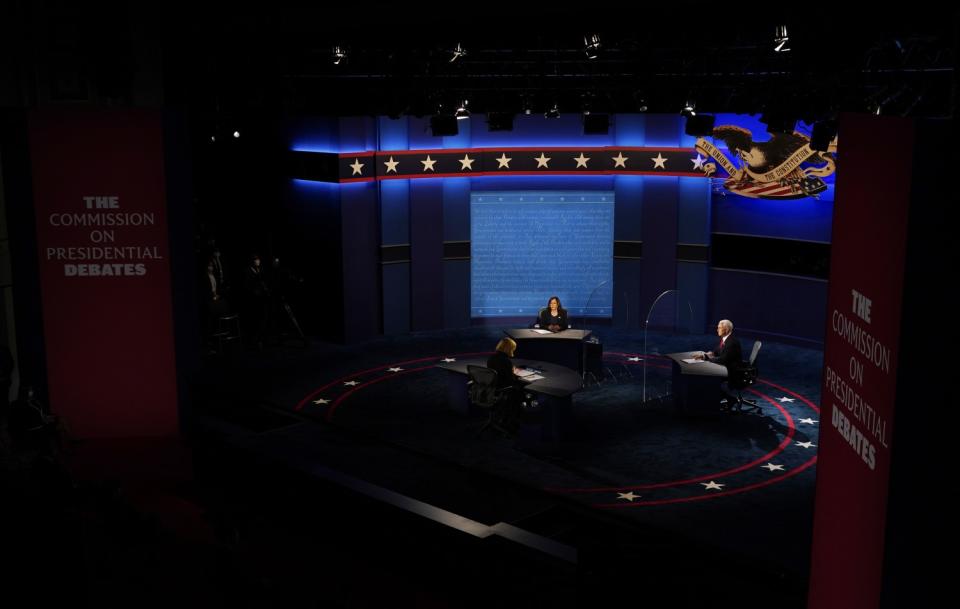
x: 696, y: 386
x: 553, y: 392
x: 565, y: 348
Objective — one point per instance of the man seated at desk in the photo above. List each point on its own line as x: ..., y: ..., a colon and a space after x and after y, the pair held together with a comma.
x: 553, y: 317
x: 728, y: 352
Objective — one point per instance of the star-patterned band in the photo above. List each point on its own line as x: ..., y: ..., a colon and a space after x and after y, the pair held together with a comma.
x: 407, y: 164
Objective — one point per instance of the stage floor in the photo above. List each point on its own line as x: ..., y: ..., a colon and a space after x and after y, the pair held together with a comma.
x: 743, y: 483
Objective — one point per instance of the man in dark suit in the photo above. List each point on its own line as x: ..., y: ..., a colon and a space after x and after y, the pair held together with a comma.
x: 728, y: 352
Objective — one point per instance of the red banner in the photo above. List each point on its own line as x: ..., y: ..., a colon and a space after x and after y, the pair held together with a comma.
x: 98, y: 185
x: 860, y: 361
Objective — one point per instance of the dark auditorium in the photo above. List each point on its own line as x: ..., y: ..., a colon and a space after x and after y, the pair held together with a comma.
x: 432, y: 305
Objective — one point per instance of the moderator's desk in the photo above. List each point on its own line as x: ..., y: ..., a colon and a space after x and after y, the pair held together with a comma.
x: 553, y: 391
x: 565, y: 348
x: 696, y: 386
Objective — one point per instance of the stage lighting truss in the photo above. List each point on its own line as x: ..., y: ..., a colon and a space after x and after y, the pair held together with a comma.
x: 781, y: 40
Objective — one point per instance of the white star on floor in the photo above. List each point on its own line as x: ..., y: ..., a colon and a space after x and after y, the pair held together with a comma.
x: 466, y: 163
x: 806, y: 444
x: 321, y: 401
x: 581, y: 160
x: 620, y: 160
x: 447, y: 360
x: 628, y: 496
x: 357, y: 167
x: 633, y: 359
x: 809, y: 421
x: 351, y: 383
x: 785, y: 399
x: 428, y: 164
x: 773, y: 467
x: 542, y: 161
x: 391, y: 165
x: 394, y: 369
x: 659, y: 161
x: 712, y: 485
x: 504, y: 161
x: 698, y: 162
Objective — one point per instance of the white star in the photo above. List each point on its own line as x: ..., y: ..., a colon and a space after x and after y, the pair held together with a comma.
x: 698, y: 162
x: 321, y: 401
x: 659, y: 161
x: 628, y: 496
x: 447, y: 360
x: 394, y: 369
x: 634, y: 359
x: 620, y: 160
x: 806, y: 444
x: 773, y: 467
x: 809, y: 421
x: 782, y: 400
x: 391, y: 165
x: 357, y: 167
x: 581, y: 160
x: 504, y: 161
x: 428, y: 164
x: 466, y: 163
x: 542, y: 161
x: 351, y: 383
x: 712, y: 486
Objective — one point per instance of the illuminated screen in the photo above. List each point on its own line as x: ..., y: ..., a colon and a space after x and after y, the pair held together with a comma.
x: 528, y: 246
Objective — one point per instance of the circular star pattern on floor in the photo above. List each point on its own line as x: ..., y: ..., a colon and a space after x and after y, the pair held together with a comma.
x: 797, y: 416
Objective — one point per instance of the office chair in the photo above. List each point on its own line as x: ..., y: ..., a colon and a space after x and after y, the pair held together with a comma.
x: 485, y: 394
x: 743, y: 377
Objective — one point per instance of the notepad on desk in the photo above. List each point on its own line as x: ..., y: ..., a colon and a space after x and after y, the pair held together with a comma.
x: 542, y: 331
x: 694, y: 361
x: 525, y: 372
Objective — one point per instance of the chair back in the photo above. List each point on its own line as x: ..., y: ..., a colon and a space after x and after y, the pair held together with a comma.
x: 756, y: 349
x: 483, y: 386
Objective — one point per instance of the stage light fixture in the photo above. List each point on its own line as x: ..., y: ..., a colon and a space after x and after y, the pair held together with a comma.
x: 591, y: 46
x: 552, y: 112
x: 339, y: 55
x: 236, y: 134
x: 781, y: 40
x: 689, y: 108
x: 457, y: 52
x: 462, y: 112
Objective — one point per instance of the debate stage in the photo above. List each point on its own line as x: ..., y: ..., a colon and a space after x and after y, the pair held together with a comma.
x: 730, y: 494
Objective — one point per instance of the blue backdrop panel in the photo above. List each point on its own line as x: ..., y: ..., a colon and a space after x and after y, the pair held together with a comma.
x: 396, y: 298
x: 527, y: 246
x: 659, y: 238
x: 456, y: 293
x: 426, y: 253
x: 773, y: 305
x: 629, y: 193
x: 361, y: 240
x: 806, y: 219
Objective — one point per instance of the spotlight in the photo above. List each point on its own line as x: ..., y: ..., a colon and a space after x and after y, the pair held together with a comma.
x: 781, y: 40
x: 591, y: 46
x: 339, y: 55
x: 689, y: 108
x: 553, y: 112
x: 462, y: 111
x: 527, y: 106
x: 458, y: 52
x: 236, y: 134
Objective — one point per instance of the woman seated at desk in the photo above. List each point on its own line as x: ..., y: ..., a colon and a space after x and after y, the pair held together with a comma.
x: 553, y: 317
